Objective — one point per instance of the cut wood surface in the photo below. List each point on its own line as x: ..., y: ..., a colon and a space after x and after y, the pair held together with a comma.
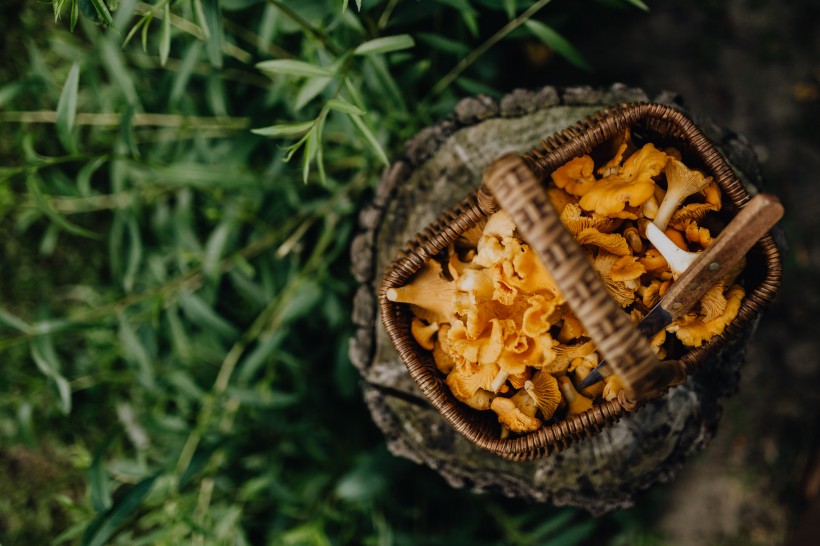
x: 439, y: 167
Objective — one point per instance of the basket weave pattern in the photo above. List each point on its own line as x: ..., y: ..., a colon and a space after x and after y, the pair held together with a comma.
x: 659, y: 124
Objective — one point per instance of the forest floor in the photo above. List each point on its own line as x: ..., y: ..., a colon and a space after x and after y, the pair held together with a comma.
x: 754, y: 67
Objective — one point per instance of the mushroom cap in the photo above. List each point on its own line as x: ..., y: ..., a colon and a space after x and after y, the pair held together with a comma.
x: 565, y: 354
x: 429, y: 292
x: 560, y: 199
x: 622, y: 292
x: 575, y: 176
x: 512, y: 417
x: 612, y: 386
x: 577, y: 402
x: 614, y: 243
x: 424, y: 333
x: 576, y: 220
x: 693, y: 331
x: 626, y: 268
x: 539, y: 316
x: 500, y: 224
x: 633, y: 184
x: 571, y: 328
x: 544, y: 391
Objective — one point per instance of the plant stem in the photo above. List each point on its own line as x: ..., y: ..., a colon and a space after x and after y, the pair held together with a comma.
x: 112, y: 119
x: 474, y: 55
x: 306, y: 26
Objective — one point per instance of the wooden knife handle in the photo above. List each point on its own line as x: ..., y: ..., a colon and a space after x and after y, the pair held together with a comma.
x: 746, y: 228
x: 516, y: 189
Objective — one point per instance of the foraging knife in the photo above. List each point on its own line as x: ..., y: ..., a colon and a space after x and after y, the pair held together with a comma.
x: 737, y: 238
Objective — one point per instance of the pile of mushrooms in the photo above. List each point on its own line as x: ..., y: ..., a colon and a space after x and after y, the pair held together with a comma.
x: 501, y: 331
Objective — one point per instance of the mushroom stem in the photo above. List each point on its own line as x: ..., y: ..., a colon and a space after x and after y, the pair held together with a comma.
x: 499, y: 380
x: 678, y: 259
x: 682, y: 182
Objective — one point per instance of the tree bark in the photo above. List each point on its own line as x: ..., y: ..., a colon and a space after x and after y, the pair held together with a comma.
x: 441, y: 165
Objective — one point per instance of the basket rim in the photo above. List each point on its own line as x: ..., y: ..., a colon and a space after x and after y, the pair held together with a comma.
x: 576, y: 140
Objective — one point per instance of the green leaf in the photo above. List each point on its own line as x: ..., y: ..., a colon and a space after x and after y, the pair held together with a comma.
x: 557, y: 43
x: 214, y: 249
x: 58, y: 7
x: 67, y: 108
x: 135, y: 352
x: 510, y: 6
x: 385, y: 45
x: 45, y: 357
x: 165, y: 41
x: 639, y: 4
x: 103, y: 13
x: 371, y: 139
x: 10, y: 320
x: 199, y: 17
x: 99, y: 487
x: 184, y: 72
x: 45, y: 207
x: 291, y: 67
x: 75, y: 14
x: 106, y: 524
x: 309, y: 90
x: 285, y: 129
x: 460, y: 49
x: 309, y: 153
x: 201, y: 314
x: 213, y: 17
x: 358, y: 5
x: 341, y: 105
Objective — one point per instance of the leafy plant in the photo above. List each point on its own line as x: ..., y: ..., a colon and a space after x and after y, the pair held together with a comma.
x: 174, y: 310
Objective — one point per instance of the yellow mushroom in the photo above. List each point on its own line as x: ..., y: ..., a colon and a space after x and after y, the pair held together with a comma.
x: 622, y: 292
x: 626, y: 268
x: 575, y: 176
x: 424, y: 333
x: 571, y: 328
x: 512, y: 417
x: 713, y: 303
x: 565, y: 354
x: 698, y: 235
x: 633, y: 185
x: 430, y: 294
x: 693, y: 331
x: 633, y: 238
x: 681, y: 182
x: 576, y: 220
x: 442, y: 354
x: 612, y: 386
x: 537, y: 319
x: 678, y: 259
x: 694, y: 212
x: 577, y: 402
x: 544, y: 391
x: 581, y: 368
x: 560, y: 199
x: 621, y: 144
x: 614, y: 243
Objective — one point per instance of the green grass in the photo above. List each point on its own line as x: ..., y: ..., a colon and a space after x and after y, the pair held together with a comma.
x: 175, y: 294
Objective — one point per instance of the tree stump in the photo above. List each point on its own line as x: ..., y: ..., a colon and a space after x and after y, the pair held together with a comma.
x: 440, y: 166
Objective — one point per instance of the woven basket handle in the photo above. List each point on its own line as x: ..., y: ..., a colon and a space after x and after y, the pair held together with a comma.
x: 516, y: 189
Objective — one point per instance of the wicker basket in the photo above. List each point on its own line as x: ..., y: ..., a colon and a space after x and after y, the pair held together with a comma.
x: 615, y: 336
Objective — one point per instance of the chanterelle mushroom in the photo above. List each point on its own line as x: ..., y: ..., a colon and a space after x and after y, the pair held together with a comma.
x: 681, y: 183
x: 632, y: 184
x: 678, y: 259
x: 429, y: 292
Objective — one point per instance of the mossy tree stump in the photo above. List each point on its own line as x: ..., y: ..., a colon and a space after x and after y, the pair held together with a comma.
x: 441, y: 165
